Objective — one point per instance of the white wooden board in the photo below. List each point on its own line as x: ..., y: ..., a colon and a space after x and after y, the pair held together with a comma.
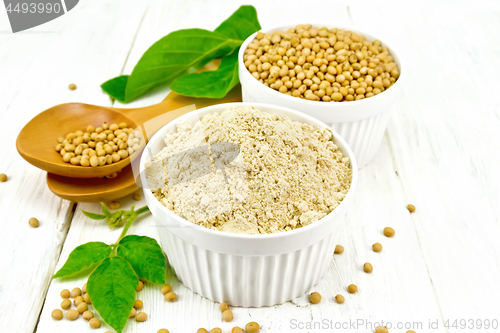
x: 440, y: 153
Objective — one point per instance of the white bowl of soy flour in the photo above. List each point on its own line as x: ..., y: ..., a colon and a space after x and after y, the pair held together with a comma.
x: 248, y: 198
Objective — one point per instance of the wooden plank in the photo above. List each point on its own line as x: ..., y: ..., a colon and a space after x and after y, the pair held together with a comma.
x: 445, y: 149
x: 409, y: 168
x: 399, y: 289
x: 37, y: 66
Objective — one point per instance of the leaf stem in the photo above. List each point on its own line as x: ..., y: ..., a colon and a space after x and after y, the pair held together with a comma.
x: 132, y: 218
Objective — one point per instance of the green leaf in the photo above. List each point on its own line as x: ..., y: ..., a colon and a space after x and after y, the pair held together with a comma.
x: 93, y: 216
x: 213, y: 84
x: 145, y: 256
x: 116, y: 87
x: 105, y: 210
x: 241, y: 24
x: 84, y: 257
x: 172, y: 56
x: 111, y: 287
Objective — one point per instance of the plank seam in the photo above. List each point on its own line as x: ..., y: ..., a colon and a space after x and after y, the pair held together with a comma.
x: 132, y: 44
x: 68, y: 219
x: 389, y: 143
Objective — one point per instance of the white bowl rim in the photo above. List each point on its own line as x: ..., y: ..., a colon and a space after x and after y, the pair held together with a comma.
x: 395, y: 54
x: 271, y: 236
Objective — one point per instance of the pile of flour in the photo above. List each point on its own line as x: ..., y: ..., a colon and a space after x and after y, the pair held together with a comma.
x: 276, y: 175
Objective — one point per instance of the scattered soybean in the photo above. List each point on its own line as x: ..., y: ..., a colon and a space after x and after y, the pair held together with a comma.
x: 66, y: 304
x: 95, y: 323
x: 138, y: 304
x: 33, y: 222
x: 223, y: 307
x: 339, y: 249
x: 72, y: 314
x: 389, y: 232
x: 352, y: 288
x: 315, y: 298
x: 76, y: 292
x: 141, y: 316
x: 170, y: 296
x: 65, y: 293
x: 140, y: 285
x: 88, y: 315
x: 57, y: 314
x: 252, y: 327
x: 227, y: 315
x: 166, y: 288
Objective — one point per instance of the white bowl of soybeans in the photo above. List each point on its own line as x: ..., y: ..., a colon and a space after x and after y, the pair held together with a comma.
x: 249, y: 270
x: 340, y: 75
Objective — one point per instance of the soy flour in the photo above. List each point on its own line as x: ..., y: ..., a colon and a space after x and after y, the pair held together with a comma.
x: 285, y: 174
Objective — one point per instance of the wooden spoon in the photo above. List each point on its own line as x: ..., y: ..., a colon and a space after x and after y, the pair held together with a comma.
x: 37, y: 140
x: 98, y: 189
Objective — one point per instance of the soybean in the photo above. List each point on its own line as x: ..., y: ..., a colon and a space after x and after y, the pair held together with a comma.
x: 33, y: 222
x: 315, y: 298
x: 165, y: 289
x: 340, y: 299
x: 3, y: 177
x: 57, y: 314
x: 339, y: 249
x: 141, y: 316
x: 227, y: 315
x: 65, y: 293
x: 78, y: 300
x: 66, y: 304
x: 389, y: 232
x: 170, y: 296
x: 72, y: 314
x: 377, y: 247
x: 138, y: 304
x: 114, y: 205
x: 411, y: 208
x: 82, y: 307
x: 237, y: 329
x: 252, y: 327
x: 87, y: 315
x: 223, y: 307
x: 367, y: 267
x: 95, y: 323
x: 352, y: 288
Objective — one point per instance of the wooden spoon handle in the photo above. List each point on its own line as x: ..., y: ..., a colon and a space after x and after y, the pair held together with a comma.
x: 173, y: 106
